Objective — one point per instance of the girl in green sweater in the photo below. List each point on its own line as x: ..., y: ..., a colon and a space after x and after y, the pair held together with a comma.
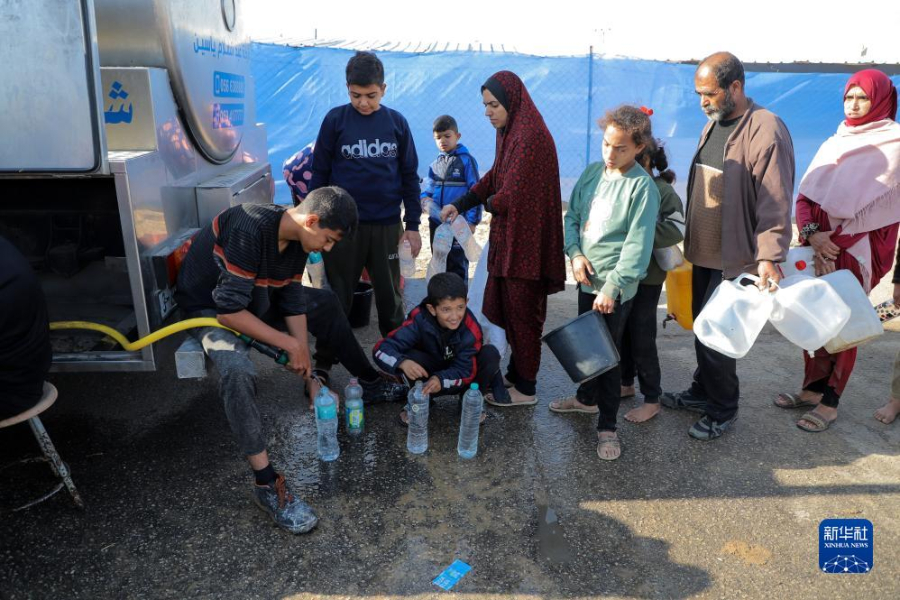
x: 609, y: 230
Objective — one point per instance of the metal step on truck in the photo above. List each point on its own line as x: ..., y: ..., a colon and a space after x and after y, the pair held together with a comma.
x: 125, y: 126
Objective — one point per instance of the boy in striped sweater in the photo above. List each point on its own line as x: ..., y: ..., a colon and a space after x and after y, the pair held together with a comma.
x: 245, y: 270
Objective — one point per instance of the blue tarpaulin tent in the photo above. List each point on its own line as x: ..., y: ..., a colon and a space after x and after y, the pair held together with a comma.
x: 295, y: 87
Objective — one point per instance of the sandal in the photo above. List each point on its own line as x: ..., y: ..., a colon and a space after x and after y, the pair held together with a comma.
x: 819, y: 423
x: 572, y: 405
x: 792, y: 401
x: 613, y: 444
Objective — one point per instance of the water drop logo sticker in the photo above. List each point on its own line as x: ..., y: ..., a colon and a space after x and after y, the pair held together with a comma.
x: 846, y: 546
x: 117, y: 113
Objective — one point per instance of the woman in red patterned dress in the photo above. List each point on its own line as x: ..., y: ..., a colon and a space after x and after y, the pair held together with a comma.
x: 525, y: 257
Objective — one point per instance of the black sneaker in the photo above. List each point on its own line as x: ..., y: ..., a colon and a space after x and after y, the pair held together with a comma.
x: 382, y: 390
x: 685, y: 400
x: 707, y: 428
x: 288, y: 512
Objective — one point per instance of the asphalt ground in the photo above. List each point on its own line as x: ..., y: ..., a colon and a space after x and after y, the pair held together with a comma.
x: 536, y: 514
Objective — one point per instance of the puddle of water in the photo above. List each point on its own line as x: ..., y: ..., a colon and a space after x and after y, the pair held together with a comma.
x: 552, y: 545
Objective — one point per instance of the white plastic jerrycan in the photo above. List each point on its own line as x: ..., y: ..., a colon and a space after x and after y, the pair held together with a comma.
x: 863, y: 324
x: 808, y: 311
x: 732, y: 319
x: 800, y: 261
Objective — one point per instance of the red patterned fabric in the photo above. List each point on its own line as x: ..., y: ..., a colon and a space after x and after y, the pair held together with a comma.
x: 838, y: 367
x: 520, y: 307
x: 526, y: 227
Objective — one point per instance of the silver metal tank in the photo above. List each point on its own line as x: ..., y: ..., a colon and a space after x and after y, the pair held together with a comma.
x: 202, y: 46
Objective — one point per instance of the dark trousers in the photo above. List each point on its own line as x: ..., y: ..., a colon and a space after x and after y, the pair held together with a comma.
x: 237, y: 373
x: 603, y: 391
x: 716, y: 377
x: 639, y: 354
x: 374, y: 247
x: 456, y: 259
x: 487, y: 369
x: 519, y: 306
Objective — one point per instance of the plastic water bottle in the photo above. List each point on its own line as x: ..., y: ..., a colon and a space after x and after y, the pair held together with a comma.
x: 315, y: 268
x: 431, y: 209
x: 327, y: 425
x: 417, y: 415
x: 440, y: 248
x: 472, y: 404
x: 466, y: 239
x: 353, y: 408
x: 407, y: 262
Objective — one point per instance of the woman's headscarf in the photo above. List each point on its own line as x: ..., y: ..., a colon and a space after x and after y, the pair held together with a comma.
x: 880, y: 90
x: 855, y: 175
x: 526, y: 230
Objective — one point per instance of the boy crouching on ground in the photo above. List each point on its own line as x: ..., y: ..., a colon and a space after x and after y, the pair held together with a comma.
x: 245, y: 269
x: 440, y: 343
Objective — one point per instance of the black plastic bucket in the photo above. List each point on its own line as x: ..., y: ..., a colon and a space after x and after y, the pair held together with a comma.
x: 583, y: 346
x: 361, y: 308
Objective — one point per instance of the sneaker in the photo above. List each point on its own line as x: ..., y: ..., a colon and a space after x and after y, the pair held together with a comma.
x: 288, y: 512
x: 382, y: 390
x: 707, y: 428
x: 685, y: 400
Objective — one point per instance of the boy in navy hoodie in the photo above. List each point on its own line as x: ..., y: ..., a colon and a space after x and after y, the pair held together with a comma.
x: 441, y: 344
x: 450, y: 176
x: 367, y: 149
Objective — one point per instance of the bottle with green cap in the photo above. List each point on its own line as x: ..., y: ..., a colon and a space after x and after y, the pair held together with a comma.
x: 472, y: 405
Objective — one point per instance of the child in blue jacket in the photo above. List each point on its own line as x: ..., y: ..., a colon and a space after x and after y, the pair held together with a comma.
x: 450, y: 176
x: 441, y: 344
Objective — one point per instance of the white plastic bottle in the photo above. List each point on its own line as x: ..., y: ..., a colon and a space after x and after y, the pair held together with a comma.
x: 353, y: 408
x: 327, y: 425
x: 407, y: 262
x: 466, y: 238
x: 417, y: 417
x: 440, y: 248
x: 315, y: 269
x: 431, y: 209
x: 469, y: 423
x: 800, y: 261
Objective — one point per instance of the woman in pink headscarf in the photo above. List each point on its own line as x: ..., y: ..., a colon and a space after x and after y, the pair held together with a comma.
x: 848, y: 210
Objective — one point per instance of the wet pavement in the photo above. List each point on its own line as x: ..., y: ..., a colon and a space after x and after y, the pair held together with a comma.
x: 536, y: 513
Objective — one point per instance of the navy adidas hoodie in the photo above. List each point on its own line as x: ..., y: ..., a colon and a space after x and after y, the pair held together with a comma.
x: 374, y: 158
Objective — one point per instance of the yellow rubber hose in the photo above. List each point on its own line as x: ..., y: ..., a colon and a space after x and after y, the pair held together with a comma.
x: 144, y: 341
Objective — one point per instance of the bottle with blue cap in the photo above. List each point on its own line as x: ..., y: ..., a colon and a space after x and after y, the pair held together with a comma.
x: 315, y: 269
x: 472, y: 405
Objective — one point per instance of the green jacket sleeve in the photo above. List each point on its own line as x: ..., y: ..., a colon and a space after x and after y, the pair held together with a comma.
x: 670, y: 216
x: 638, y: 246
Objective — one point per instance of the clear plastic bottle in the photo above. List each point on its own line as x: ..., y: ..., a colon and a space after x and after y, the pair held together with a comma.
x: 315, y: 269
x: 353, y: 408
x: 440, y: 248
x: 417, y: 415
x: 431, y: 209
x: 466, y: 238
x: 407, y: 262
x: 327, y: 425
x: 472, y: 405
